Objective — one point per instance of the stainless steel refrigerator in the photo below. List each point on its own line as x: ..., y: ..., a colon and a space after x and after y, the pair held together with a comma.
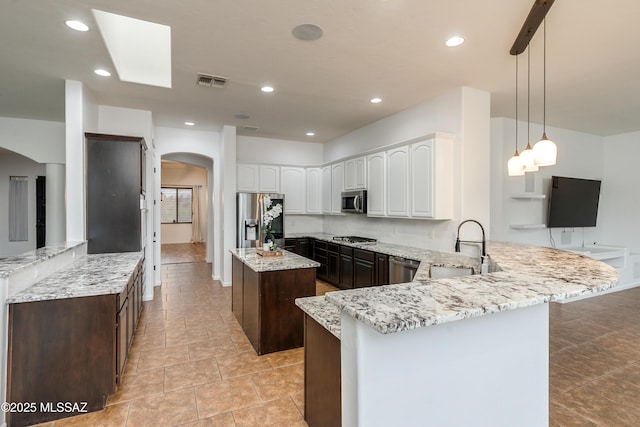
x: 250, y: 210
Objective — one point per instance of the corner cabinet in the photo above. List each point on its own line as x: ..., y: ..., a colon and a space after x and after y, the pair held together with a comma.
x: 326, y: 189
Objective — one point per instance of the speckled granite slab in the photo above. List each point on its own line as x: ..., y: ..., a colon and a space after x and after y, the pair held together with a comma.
x: 323, y: 312
x: 531, y: 275
x: 12, y: 264
x: 90, y: 275
x: 259, y: 264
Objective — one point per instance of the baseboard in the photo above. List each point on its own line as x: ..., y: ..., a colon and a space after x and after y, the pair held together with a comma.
x: 226, y: 284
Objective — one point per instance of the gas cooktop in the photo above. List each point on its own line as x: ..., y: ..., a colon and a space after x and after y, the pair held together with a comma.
x: 354, y: 239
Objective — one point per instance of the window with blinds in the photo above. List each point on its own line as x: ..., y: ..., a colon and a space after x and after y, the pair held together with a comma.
x: 18, y: 208
x: 175, y: 205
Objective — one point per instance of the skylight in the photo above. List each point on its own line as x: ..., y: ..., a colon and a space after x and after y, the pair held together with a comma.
x: 140, y: 50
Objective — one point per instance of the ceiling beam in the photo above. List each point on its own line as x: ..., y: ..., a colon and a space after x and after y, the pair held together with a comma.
x: 534, y: 19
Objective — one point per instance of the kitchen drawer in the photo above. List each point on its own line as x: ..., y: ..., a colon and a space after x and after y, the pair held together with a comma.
x: 347, y: 250
x: 321, y: 244
x: 333, y: 247
x: 365, y: 255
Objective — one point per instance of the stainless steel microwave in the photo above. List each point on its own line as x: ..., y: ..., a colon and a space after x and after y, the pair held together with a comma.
x: 354, y: 202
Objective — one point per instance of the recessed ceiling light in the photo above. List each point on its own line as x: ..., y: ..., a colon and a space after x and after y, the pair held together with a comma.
x: 267, y: 89
x: 102, y: 73
x: 376, y: 100
x: 454, y: 41
x: 310, y: 134
x: 77, y: 25
x: 189, y: 123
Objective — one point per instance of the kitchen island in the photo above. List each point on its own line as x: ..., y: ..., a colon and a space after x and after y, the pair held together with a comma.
x: 69, y: 334
x: 263, y: 293
x: 469, y: 350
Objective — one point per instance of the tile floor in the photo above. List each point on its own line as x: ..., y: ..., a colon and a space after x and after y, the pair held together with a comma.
x: 190, y: 363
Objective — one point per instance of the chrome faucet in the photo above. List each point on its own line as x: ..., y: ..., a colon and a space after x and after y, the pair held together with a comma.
x: 484, y: 241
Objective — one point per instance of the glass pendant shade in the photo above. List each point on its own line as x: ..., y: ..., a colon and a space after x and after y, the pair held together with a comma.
x: 528, y: 163
x: 545, y: 152
x: 514, y: 165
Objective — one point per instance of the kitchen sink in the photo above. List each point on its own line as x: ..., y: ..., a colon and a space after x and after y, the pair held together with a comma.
x: 438, y: 272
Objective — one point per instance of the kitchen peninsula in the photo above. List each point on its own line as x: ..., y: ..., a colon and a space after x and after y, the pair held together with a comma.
x: 263, y: 293
x: 460, y: 351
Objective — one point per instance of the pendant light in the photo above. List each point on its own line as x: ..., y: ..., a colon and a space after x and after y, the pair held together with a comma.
x: 514, y: 165
x: 545, y: 151
x: 526, y: 157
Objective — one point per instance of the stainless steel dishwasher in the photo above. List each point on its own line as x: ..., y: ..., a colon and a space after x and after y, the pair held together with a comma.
x: 402, y: 270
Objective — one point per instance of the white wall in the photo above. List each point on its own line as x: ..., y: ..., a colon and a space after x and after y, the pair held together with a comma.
x: 12, y: 164
x: 183, y: 175
x: 39, y: 140
x: 228, y: 187
x: 580, y: 155
x: 620, y: 199
x: 276, y: 151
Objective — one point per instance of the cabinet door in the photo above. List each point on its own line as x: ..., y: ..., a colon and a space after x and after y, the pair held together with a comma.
x: 248, y: 178
x: 326, y: 190
x: 382, y: 269
x: 302, y: 247
x: 333, y: 268
x: 360, y: 178
x: 121, y: 339
x: 422, y: 179
x: 292, y: 185
x: 237, y: 288
x: 269, y: 179
x: 364, y: 273
x: 376, y: 184
x: 314, y: 191
x: 398, y: 182
x: 350, y: 175
x: 346, y: 272
x: 337, y: 187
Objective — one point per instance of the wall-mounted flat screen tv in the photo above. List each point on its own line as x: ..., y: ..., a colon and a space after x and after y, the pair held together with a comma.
x: 573, y: 202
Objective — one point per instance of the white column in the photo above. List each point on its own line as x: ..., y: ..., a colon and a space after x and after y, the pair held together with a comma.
x: 228, y: 185
x: 74, y: 152
x: 56, y: 219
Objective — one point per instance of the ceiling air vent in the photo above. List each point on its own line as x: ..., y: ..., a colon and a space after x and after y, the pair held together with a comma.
x: 251, y: 128
x: 211, y: 80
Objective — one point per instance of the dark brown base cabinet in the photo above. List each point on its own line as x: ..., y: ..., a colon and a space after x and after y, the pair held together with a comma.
x: 69, y: 350
x: 322, y: 370
x: 264, y: 305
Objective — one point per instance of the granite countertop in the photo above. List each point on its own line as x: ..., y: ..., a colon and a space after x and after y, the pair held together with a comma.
x: 323, y: 312
x: 89, y: 275
x: 12, y: 264
x: 524, y: 275
x: 259, y: 264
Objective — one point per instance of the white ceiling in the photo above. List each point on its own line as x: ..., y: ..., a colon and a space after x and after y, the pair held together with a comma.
x: 388, y: 48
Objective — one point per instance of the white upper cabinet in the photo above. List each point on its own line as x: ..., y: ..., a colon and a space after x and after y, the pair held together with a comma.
x: 398, y: 182
x: 247, y: 178
x: 292, y: 185
x: 431, y: 180
x: 326, y: 189
x: 355, y: 174
x: 376, y: 180
x: 314, y: 191
x: 337, y: 187
x: 269, y: 179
